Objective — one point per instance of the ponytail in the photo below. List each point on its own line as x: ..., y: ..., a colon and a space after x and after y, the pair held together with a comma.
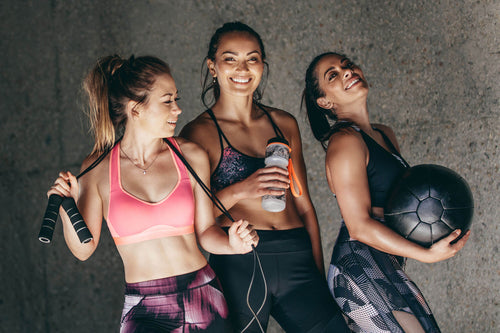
x: 96, y: 87
x: 110, y: 85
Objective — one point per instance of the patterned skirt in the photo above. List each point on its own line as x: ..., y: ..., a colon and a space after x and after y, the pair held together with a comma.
x: 369, y: 285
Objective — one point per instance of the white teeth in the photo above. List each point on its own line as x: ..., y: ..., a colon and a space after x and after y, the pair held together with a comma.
x: 172, y: 122
x: 240, y: 80
x: 352, y: 83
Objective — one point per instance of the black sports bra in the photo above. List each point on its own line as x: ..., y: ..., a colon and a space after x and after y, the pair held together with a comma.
x: 233, y: 165
x: 383, y: 168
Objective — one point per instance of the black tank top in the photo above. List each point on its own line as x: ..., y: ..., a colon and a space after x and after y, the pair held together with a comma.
x: 383, y: 167
x: 233, y: 165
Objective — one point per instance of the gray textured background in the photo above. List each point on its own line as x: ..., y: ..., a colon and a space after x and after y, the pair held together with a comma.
x: 433, y: 68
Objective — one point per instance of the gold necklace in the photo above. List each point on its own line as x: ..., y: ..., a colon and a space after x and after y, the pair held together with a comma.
x: 143, y: 170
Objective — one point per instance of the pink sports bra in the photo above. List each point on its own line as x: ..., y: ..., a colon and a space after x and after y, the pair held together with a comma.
x: 132, y: 220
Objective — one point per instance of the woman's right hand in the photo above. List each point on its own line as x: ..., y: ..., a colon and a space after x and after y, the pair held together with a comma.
x: 445, y: 249
x: 242, y: 236
x: 66, y: 185
x: 266, y: 181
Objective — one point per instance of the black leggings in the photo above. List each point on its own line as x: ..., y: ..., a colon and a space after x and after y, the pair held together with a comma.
x: 297, y: 295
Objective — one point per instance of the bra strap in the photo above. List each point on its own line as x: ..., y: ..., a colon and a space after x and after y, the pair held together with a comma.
x: 391, y: 146
x: 277, y: 130
x: 180, y: 165
x: 219, y: 130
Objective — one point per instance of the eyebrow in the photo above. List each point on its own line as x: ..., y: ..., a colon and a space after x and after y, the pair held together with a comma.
x: 333, y: 67
x: 235, y: 53
x: 328, y: 70
x: 170, y: 94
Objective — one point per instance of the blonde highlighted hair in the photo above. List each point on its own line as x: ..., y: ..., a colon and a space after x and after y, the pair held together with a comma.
x: 110, y: 85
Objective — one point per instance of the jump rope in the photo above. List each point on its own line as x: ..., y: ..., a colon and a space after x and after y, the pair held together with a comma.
x: 69, y: 205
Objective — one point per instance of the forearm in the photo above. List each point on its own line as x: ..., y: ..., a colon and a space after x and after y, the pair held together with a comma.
x: 382, y: 238
x: 215, y: 240
x: 228, y: 196
x: 79, y: 250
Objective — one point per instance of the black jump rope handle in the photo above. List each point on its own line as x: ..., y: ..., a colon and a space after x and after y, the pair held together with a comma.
x: 69, y: 205
x: 51, y: 214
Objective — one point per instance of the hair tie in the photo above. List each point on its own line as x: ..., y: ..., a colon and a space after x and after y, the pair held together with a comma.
x: 116, y: 64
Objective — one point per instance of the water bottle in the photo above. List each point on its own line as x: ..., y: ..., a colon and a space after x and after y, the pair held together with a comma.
x: 277, y: 154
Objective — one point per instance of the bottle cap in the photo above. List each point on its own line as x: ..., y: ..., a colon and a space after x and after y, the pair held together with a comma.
x: 277, y: 140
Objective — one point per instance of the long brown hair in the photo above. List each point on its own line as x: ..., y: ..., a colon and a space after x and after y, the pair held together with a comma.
x: 324, y: 122
x: 110, y: 85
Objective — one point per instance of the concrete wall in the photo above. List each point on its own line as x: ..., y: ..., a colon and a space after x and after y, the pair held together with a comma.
x: 433, y: 68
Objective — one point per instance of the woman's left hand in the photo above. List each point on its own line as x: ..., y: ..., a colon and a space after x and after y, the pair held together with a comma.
x: 242, y: 236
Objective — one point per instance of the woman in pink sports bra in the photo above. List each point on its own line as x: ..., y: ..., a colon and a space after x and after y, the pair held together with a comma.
x: 154, y: 208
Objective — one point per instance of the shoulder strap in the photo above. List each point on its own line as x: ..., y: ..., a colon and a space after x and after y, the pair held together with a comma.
x: 180, y: 165
x: 114, y: 168
x: 219, y: 130
x: 277, y: 130
x: 391, y: 146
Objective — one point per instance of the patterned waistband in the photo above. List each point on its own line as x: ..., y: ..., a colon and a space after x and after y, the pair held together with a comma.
x: 171, y: 284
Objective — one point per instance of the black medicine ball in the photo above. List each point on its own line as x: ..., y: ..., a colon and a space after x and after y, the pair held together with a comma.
x: 427, y: 203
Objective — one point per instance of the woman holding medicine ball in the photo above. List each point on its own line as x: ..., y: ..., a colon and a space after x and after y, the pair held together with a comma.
x: 366, y: 273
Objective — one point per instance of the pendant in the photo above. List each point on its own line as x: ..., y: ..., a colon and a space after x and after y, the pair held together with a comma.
x: 143, y: 172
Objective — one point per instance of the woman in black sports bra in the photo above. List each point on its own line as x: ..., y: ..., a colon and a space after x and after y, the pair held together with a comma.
x: 234, y: 131
x: 366, y: 273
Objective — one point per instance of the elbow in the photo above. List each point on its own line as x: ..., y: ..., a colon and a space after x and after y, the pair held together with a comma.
x: 204, y: 246
x: 354, y: 233
x: 367, y: 232
x: 359, y: 233
x: 83, y: 255
x: 83, y: 258
x: 203, y: 242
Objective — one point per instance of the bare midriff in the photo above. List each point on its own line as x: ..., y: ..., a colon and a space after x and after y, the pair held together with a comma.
x: 252, y: 211
x: 160, y: 258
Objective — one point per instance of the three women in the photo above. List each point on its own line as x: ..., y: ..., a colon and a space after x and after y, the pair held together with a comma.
x: 142, y: 180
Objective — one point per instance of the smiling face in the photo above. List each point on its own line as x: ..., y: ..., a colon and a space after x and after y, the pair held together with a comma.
x: 238, y: 64
x: 159, y: 115
x: 341, y: 81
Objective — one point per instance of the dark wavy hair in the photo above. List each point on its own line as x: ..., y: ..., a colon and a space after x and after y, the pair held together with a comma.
x: 324, y: 122
x: 208, y: 83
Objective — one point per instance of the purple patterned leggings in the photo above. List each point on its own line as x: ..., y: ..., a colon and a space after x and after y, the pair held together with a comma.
x: 191, y: 302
